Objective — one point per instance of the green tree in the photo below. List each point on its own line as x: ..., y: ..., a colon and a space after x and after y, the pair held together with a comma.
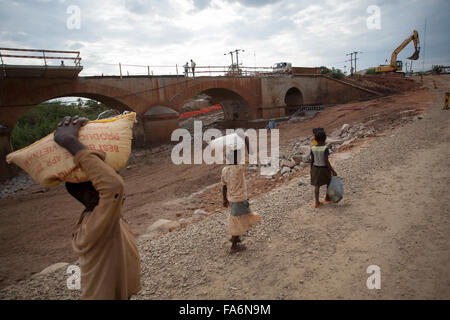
x: 43, y: 119
x: 334, y: 73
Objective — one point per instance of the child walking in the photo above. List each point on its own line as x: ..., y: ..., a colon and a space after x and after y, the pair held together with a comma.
x: 234, y: 192
x: 321, y: 169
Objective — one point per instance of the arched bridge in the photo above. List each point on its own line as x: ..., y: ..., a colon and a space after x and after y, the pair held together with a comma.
x: 242, y: 98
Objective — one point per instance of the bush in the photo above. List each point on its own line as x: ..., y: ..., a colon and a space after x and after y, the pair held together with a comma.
x: 334, y: 73
x: 370, y: 71
x: 43, y: 119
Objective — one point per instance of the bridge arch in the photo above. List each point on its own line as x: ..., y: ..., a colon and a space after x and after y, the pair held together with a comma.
x: 111, y: 96
x: 234, y: 106
x: 234, y: 101
x: 293, y: 99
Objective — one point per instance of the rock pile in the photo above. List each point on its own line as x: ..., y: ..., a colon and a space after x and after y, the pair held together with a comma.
x: 354, y: 131
x: 20, y: 182
x: 299, y: 157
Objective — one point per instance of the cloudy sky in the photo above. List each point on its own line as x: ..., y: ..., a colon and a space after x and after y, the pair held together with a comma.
x: 158, y: 32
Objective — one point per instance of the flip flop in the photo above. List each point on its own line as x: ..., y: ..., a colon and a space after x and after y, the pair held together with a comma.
x: 328, y: 201
x: 318, y: 205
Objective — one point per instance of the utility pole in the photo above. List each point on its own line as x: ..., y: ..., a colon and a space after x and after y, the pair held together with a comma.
x: 231, y: 54
x: 351, y: 62
x: 237, y: 56
x: 352, y: 70
x: 356, y: 52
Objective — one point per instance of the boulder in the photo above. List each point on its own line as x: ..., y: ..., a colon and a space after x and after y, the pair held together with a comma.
x: 199, y: 213
x: 297, y: 158
x: 345, y: 127
x: 51, y: 268
x: 285, y: 170
x: 162, y: 225
x: 287, y: 163
x: 305, y: 149
x: 185, y: 220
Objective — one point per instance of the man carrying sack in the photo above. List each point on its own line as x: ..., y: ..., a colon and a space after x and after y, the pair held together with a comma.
x: 109, y: 258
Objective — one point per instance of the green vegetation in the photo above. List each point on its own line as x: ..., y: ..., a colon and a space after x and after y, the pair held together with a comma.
x: 334, y: 73
x: 43, y: 119
x: 371, y: 71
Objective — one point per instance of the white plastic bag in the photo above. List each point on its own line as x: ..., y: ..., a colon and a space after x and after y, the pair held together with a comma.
x: 227, y: 144
x: 335, y: 189
x: 231, y: 142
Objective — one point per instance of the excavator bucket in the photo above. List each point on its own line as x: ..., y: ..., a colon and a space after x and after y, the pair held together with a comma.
x: 415, y: 55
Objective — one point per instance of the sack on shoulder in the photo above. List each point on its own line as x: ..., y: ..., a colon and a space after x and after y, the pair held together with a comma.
x: 50, y: 164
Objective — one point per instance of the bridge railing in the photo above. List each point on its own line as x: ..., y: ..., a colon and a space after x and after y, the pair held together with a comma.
x: 46, y: 55
x: 124, y: 70
x: 114, y: 69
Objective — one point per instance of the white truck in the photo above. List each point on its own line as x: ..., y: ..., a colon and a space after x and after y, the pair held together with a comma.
x: 282, y: 67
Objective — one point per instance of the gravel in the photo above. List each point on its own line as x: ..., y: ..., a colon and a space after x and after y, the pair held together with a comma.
x: 20, y: 182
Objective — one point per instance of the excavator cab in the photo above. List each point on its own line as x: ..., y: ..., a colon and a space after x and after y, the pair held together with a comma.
x: 399, y: 65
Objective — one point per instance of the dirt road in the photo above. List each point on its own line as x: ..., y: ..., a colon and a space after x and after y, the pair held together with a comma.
x: 395, y: 215
x: 35, y: 226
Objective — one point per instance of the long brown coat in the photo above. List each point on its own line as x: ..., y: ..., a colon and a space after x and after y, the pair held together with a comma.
x: 109, y: 258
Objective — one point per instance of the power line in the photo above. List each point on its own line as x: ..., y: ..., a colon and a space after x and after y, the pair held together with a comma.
x: 353, y: 60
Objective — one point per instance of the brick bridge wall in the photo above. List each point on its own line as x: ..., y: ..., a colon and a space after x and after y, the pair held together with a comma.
x: 242, y: 98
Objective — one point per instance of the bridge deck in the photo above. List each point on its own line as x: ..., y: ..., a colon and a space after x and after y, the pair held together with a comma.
x: 29, y: 71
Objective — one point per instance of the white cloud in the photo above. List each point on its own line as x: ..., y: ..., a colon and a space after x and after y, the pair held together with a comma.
x: 171, y: 32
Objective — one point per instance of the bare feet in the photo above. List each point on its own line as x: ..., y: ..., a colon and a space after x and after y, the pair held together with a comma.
x: 237, y: 247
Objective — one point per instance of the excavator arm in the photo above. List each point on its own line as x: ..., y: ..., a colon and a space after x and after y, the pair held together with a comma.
x: 415, y: 56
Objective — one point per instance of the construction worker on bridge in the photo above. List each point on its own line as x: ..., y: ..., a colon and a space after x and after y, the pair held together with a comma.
x: 193, y: 68
x: 186, y: 69
x: 109, y: 258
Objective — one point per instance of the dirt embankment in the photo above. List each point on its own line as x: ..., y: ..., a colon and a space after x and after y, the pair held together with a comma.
x: 35, y: 228
x: 386, y: 84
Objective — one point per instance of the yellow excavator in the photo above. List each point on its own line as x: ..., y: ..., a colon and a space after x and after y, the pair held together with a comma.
x: 398, y: 65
